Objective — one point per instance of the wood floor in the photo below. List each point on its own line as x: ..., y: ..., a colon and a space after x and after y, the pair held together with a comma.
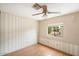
x: 37, y: 50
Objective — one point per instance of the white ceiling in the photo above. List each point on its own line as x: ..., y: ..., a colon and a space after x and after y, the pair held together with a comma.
x: 26, y: 10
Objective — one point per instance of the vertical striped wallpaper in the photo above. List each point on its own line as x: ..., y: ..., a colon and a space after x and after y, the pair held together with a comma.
x: 72, y: 49
x: 13, y: 32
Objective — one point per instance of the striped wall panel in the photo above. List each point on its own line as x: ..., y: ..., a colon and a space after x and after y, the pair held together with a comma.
x: 13, y: 32
x: 61, y: 45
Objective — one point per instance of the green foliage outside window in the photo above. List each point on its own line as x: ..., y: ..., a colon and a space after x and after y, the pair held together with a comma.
x: 49, y: 29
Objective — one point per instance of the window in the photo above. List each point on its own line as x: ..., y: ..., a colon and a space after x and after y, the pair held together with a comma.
x: 56, y: 29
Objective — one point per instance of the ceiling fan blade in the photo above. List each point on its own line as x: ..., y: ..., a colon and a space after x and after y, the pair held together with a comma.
x: 36, y: 6
x: 37, y: 14
x: 53, y: 12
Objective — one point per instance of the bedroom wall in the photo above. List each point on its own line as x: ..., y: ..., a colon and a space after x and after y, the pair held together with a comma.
x: 16, y: 32
x: 69, y: 43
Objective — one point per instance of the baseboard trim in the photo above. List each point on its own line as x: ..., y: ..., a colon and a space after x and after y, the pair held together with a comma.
x: 56, y: 49
x: 18, y: 50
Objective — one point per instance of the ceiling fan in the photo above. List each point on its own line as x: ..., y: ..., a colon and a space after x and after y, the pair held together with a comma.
x: 44, y: 10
